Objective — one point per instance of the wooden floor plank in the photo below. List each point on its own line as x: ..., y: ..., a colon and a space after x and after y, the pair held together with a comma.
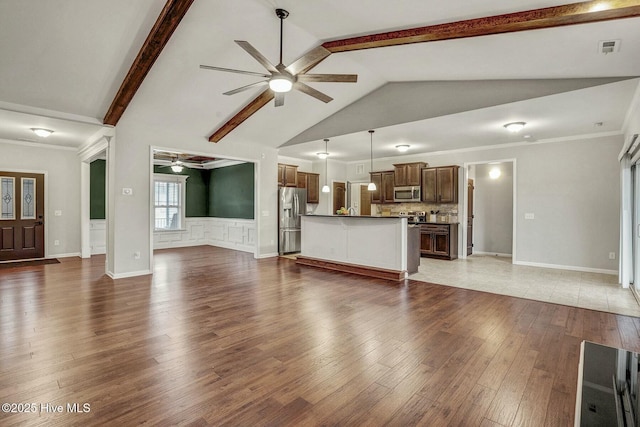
x: 216, y: 337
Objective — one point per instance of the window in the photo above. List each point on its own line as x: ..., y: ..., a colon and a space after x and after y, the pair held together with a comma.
x: 7, y: 198
x: 168, y: 201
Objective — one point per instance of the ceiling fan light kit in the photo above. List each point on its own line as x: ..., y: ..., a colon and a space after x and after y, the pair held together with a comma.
x: 176, y: 168
x: 280, y: 84
x: 402, y: 148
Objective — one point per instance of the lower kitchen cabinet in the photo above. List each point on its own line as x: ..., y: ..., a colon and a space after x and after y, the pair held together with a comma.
x: 439, y: 241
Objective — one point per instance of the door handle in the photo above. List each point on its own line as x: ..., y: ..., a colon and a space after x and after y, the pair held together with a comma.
x: 39, y: 223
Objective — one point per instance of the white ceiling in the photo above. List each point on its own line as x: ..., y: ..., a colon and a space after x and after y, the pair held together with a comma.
x: 65, y: 59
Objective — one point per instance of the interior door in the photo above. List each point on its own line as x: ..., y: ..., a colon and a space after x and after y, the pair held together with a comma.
x: 365, y: 200
x: 339, y: 196
x: 21, y: 216
x: 470, y: 188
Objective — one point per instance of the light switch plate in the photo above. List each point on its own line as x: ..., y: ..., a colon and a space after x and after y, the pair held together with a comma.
x: 127, y: 191
x: 529, y: 216
x: 57, y: 213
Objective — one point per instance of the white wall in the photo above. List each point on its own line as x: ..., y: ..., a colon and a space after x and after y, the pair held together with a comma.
x: 130, y: 167
x: 572, y: 187
x: 493, y: 210
x: 62, y: 170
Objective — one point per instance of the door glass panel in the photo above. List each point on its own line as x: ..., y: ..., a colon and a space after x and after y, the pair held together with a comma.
x: 7, y: 202
x: 28, y: 198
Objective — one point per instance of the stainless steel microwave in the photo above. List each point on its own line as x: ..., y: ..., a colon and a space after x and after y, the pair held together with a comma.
x: 406, y: 194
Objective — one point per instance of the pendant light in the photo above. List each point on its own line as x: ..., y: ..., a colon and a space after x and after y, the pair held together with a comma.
x: 325, y: 187
x: 372, y: 185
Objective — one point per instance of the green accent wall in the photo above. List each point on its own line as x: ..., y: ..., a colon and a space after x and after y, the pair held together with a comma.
x: 197, y: 197
x: 97, y: 194
x: 231, y: 192
x: 223, y: 193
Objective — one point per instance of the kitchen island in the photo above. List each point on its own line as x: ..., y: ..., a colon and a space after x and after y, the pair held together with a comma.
x: 383, y: 247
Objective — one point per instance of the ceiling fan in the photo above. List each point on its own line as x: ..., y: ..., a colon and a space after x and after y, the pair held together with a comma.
x: 281, y: 78
x: 178, y: 161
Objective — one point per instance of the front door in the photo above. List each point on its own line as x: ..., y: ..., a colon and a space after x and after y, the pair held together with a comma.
x: 21, y: 216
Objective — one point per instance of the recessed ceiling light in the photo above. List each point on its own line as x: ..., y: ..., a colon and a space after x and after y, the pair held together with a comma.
x: 402, y: 147
x: 42, y: 133
x: 515, y: 126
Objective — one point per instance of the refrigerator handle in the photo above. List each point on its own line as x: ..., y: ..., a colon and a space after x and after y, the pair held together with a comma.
x: 296, y: 210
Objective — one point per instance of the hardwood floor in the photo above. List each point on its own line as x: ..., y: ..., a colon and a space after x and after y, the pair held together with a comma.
x: 216, y: 337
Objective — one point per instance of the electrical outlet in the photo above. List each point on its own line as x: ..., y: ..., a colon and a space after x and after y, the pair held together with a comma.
x: 56, y: 243
x: 612, y: 255
x: 136, y: 255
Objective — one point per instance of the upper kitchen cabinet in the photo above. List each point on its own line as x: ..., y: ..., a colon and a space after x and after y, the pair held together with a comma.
x: 287, y: 175
x: 384, y: 182
x: 407, y: 174
x: 310, y: 181
x: 440, y: 185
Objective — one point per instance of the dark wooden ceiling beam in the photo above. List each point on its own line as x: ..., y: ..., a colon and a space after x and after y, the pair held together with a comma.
x: 167, y: 22
x: 242, y: 115
x: 569, y: 14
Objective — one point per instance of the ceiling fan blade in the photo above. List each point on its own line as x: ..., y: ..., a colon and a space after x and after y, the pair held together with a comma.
x: 257, y: 56
x: 231, y: 70
x: 312, y: 92
x: 247, y: 87
x: 308, y: 60
x: 279, y: 99
x: 242, y: 115
x: 333, y: 78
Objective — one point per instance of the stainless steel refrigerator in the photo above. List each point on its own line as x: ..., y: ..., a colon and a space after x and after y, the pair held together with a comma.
x: 292, y: 203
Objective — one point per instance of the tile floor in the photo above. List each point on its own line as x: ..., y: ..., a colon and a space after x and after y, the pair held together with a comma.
x: 497, y: 275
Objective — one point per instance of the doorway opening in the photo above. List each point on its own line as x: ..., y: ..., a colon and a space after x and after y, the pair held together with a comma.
x: 489, y: 209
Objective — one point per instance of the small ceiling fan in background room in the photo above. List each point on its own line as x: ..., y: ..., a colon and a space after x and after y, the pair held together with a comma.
x: 177, y: 162
x: 281, y: 79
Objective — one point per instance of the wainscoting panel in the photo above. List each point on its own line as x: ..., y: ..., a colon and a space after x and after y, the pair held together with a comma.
x: 98, y: 236
x: 239, y: 234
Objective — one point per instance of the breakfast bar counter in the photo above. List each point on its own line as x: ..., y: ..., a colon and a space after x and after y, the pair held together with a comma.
x: 384, y: 247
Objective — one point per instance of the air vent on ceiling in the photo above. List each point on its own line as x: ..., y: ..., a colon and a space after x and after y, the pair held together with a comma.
x: 608, y: 46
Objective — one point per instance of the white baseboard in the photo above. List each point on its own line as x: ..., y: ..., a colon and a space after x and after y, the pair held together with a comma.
x: 491, y: 254
x: 268, y: 255
x: 229, y: 245
x: 567, y: 267
x: 69, y: 255
x: 129, y: 274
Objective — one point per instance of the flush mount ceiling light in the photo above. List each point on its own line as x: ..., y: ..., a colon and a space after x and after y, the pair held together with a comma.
x: 515, y: 126
x: 495, y: 173
x: 372, y: 185
x: 42, y: 133
x: 325, y: 187
x: 402, y: 147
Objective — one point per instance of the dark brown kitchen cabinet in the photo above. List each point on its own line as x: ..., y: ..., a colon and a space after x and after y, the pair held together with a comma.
x: 311, y: 182
x: 384, y: 182
x: 440, y: 185
x: 407, y: 174
x: 287, y: 175
x: 439, y: 241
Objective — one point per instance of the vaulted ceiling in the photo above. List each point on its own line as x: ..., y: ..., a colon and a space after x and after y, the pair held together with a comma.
x: 63, y: 62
